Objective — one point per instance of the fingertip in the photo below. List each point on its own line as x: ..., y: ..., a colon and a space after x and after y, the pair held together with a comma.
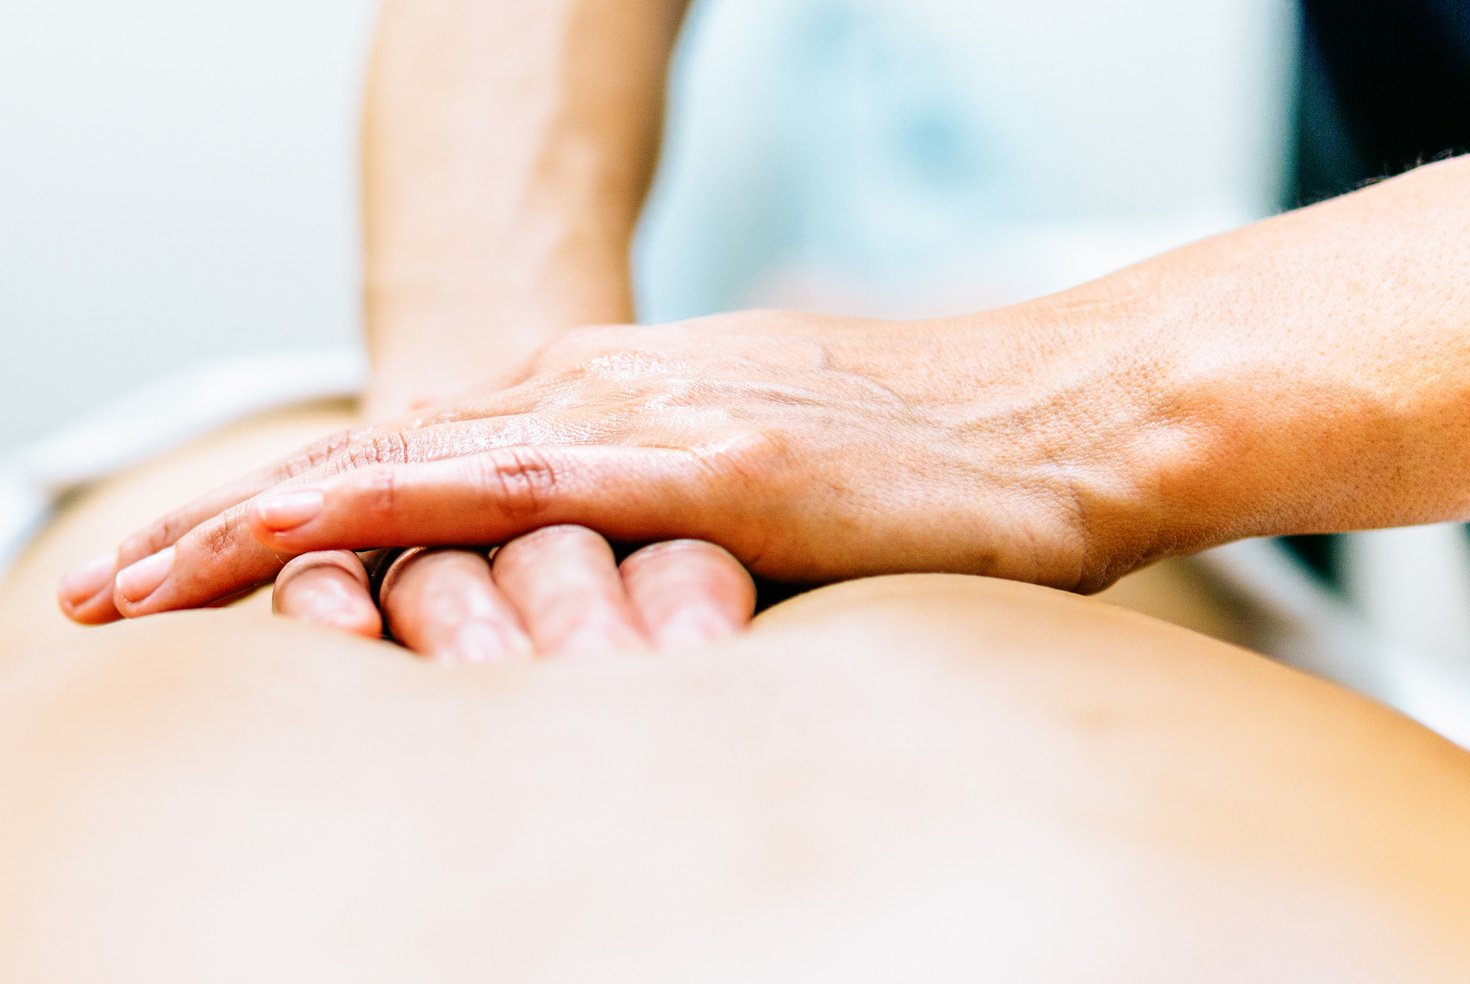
x: 329, y: 589
x: 85, y: 580
x: 97, y: 610
x: 85, y: 593
x: 136, y: 582
x: 283, y: 512
x: 357, y: 619
x: 689, y: 592
x: 443, y: 605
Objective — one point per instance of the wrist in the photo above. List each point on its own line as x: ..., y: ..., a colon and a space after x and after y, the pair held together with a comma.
x: 1260, y: 404
x: 1058, y: 415
x: 434, y: 331
x: 1139, y: 437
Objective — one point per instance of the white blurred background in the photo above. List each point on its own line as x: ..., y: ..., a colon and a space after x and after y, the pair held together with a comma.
x: 177, y: 181
x: 177, y: 177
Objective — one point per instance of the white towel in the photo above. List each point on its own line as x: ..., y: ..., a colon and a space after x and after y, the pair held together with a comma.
x: 158, y: 418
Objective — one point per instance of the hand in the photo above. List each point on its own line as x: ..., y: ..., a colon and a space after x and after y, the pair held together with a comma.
x: 1309, y: 373
x: 811, y: 448
x: 552, y: 592
x: 479, y: 251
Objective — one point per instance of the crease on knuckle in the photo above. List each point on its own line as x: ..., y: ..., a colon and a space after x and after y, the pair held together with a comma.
x: 319, y: 453
x: 522, y: 481
x: 380, y: 493
x: 216, y: 540
x: 383, y: 448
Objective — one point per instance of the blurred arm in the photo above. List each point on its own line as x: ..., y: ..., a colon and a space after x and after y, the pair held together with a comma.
x: 508, y: 147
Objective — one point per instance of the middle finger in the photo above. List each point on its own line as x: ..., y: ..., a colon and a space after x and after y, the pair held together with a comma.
x: 564, y: 580
x: 329, y: 588
x: 444, y: 605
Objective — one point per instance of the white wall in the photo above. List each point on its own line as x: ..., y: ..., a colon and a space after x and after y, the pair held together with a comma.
x: 177, y: 181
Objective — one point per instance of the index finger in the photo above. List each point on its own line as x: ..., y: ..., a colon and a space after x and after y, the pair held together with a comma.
x: 633, y: 494
x: 424, y: 437
x: 211, y: 561
x: 217, y: 556
x: 88, y: 595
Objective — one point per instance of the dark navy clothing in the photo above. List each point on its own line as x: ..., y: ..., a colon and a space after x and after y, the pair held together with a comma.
x: 1385, y: 85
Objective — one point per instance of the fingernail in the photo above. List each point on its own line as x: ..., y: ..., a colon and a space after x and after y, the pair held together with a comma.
x: 85, y: 581
x: 694, y: 627
x: 485, y: 642
x: 143, y: 578
x: 362, y: 620
x: 286, y: 511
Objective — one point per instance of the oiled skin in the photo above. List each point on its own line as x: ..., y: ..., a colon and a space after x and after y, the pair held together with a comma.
x: 900, y: 778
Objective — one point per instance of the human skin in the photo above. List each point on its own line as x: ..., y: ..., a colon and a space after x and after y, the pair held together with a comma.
x: 478, y: 251
x: 897, y: 778
x: 555, y: 589
x: 985, y: 776
x: 901, y: 778
x: 1310, y: 373
x: 559, y: 588
x: 507, y: 151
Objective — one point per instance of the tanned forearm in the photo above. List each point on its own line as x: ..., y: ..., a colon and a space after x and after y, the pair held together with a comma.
x: 1306, y: 374
x: 508, y: 147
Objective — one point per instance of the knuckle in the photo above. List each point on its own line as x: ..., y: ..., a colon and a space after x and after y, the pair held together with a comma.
x: 216, y: 540
x: 303, y: 570
x: 566, y: 385
x: 667, y: 553
x: 559, y: 544
x: 380, y: 492
x: 318, y: 453
x: 343, y: 560
x: 750, y: 457
x: 522, y: 481
x: 377, y: 448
